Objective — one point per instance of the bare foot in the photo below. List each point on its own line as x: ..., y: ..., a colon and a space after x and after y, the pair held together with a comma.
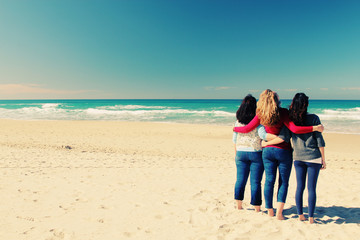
x: 279, y: 211
x: 257, y: 208
x: 239, y: 204
x: 270, y: 212
x: 311, y: 220
x: 302, y: 217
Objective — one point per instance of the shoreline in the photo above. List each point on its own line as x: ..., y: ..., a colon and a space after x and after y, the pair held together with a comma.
x: 156, y: 122
x: 146, y: 180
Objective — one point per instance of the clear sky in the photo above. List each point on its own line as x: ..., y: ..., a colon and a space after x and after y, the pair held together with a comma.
x: 179, y: 48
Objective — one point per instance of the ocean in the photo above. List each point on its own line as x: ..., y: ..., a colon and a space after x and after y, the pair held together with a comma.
x: 340, y: 116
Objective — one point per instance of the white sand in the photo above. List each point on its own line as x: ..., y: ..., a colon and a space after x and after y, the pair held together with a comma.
x: 125, y: 180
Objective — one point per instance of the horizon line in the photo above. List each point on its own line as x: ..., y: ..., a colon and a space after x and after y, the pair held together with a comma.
x: 44, y: 99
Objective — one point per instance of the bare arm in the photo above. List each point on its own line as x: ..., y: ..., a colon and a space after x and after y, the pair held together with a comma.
x: 275, y: 141
x: 270, y: 136
x: 264, y: 135
x: 322, y: 150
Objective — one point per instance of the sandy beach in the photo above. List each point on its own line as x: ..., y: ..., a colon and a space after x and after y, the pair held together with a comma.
x: 125, y: 180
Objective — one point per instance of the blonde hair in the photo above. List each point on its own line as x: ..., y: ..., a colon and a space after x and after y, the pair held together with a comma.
x: 268, y: 108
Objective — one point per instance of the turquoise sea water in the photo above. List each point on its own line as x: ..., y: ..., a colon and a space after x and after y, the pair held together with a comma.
x: 337, y: 115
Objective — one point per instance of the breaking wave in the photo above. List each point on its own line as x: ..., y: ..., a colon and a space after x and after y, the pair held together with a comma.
x: 337, y: 116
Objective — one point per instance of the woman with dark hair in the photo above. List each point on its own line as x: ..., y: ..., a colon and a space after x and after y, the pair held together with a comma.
x: 309, y: 154
x: 248, y: 155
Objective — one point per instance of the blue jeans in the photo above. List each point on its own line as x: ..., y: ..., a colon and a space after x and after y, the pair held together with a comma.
x: 274, y: 159
x: 312, y: 170
x: 249, y: 162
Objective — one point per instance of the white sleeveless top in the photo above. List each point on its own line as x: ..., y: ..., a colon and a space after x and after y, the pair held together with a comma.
x: 248, y: 141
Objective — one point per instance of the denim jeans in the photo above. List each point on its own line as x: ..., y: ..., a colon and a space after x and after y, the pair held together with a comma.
x: 312, y: 170
x: 249, y: 162
x: 274, y: 159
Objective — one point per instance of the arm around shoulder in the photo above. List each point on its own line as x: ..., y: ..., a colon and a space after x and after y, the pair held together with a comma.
x: 249, y: 127
x: 274, y: 141
x: 299, y: 129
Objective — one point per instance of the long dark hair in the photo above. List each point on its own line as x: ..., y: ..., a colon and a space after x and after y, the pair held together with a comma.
x: 298, y: 109
x: 247, y: 110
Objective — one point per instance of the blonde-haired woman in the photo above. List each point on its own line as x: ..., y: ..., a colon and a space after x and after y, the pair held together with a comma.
x: 277, y: 156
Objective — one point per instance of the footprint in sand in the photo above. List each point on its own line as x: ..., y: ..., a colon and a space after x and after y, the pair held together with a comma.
x: 225, y: 228
x: 199, y: 194
x: 31, y: 219
x: 57, y: 234
x: 26, y: 232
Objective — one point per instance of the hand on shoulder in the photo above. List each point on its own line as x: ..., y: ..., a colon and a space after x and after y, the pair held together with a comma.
x: 319, y: 128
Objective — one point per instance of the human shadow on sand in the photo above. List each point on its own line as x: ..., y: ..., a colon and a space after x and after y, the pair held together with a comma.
x: 333, y: 214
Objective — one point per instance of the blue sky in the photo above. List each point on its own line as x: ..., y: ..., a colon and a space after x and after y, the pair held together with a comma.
x: 179, y: 49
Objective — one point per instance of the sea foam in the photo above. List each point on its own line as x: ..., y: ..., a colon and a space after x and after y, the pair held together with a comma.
x: 350, y: 114
x: 337, y: 116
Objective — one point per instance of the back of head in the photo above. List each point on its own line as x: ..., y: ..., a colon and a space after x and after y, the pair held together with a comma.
x: 247, y: 110
x: 268, y: 109
x: 298, y: 109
